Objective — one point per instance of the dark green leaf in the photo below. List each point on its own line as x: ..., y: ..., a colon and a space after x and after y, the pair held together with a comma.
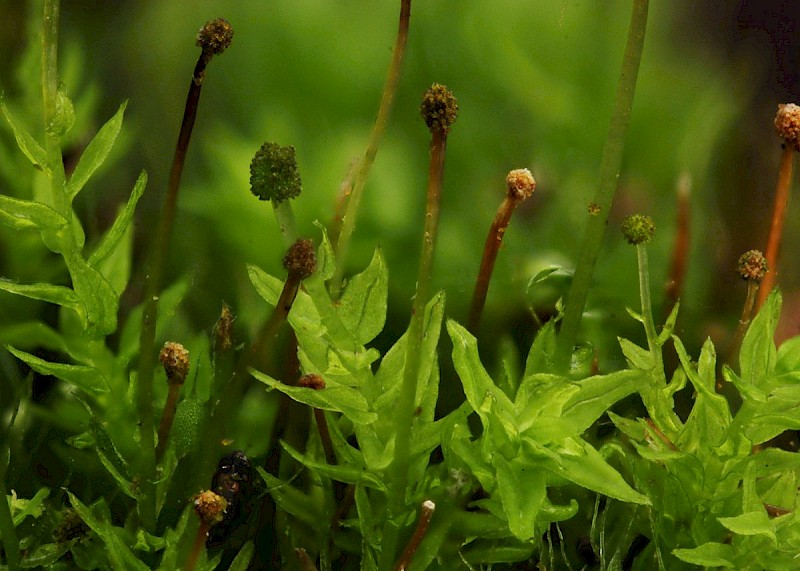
x: 242, y: 560
x: 86, y: 378
x: 293, y: 501
x: 120, y: 555
x: 95, y: 153
x: 341, y: 473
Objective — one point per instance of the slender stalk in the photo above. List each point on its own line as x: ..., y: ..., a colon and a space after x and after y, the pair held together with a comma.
x: 425, y: 515
x: 520, y: 186
x: 609, y: 176
x: 778, y: 217
x: 305, y: 561
x: 752, y: 267
x: 158, y: 257
x: 439, y: 109
x: 348, y: 221
x: 316, y: 382
x: 744, y: 320
x: 284, y: 215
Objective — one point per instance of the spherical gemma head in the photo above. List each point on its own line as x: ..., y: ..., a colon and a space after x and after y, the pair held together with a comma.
x: 301, y: 259
x: 439, y: 108
x: 521, y: 184
x: 215, y: 36
x: 638, y: 229
x: 273, y: 173
x: 787, y: 124
x: 752, y: 266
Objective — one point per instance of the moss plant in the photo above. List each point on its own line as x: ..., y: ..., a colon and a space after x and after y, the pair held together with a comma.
x: 439, y: 110
x: 394, y: 450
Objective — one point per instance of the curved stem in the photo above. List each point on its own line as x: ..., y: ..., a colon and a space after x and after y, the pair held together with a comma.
x: 348, y: 221
x: 776, y: 228
x: 490, y: 249
x: 609, y: 176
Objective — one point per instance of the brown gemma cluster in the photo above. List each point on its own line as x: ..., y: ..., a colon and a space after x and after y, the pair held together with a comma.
x: 175, y: 359
x: 752, y: 266
x: 210, y: 507
x: 311, y: 381
x: 301, y: 260
x: 215, y: 36
x: 439, y: 108
x: 521, y: 184
x: 787, y: 124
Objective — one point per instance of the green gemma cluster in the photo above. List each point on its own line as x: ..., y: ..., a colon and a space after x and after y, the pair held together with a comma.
x: 273, y: 173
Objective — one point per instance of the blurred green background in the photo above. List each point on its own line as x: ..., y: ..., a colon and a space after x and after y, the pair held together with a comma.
x: 535, y: 82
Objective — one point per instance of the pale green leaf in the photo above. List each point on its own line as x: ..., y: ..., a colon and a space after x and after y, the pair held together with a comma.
x: 362, y: 307
x: 751, y: 523
x: 522, y: 489
x: 758, y: 355
x: 29, y: 215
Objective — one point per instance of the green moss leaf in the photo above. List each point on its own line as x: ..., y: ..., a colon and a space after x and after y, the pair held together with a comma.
x: 751, y: 523
x: 522, y: 490
x: 707, y: 555
x: 119, y: 554
x: 27, y: 144
x: 95, y: 153
x: 29, y: 215
x: 50, y: 293
x: 122, y: 224
x: 758, y: 354
x: 339, y: 398
x: 85, y: 378
x: 362, y: 307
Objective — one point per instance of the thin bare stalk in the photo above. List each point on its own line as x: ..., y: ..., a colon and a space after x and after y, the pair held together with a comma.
x: 213, y: 38
x: 680, y: 247
x: 753, y: 268
x: 305, y: 561
x: 778, y: 218
x: 609, y: 177
x: 342, y: 230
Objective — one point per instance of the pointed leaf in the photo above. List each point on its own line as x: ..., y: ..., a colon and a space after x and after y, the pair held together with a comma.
x: 121, y: 224
x: 707, y: 555
x: 95, y: 153
x: 362, y: 307
x: 50, y: 293
x: 28, y: 215
x: 758, y: 354
x: 120, y: 555
x: 637, y: 357
x: 100, y: 301
x: 338, y: 398
x: 542, y: 351
x: 751, y: 523
x: 242, y: 560
x: 85, y: 378
x: 522, y: 490
x: 27, y: 144
x: 669, y: 326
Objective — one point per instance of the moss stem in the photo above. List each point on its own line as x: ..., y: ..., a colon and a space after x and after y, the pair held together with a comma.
x: 778, y: 218
x: 347, y: 222
x: 680, y: 248
x: 405, y: 405
x: 157, y: 261
x: 609, y: 176
x: 8, y: 532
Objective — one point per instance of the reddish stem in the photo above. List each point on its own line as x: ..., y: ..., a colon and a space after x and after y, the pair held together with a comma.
x: 490, y: 249
x: 680, y: 248
x: 778, y: 217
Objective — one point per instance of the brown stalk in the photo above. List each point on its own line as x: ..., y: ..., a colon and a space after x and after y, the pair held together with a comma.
x: 425, y: 514
x: 520, y: 186
x: 680, y: 247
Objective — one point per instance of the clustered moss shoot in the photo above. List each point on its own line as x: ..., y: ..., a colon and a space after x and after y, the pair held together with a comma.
x: 638, y: 229
x: 439, y: 108
x: 273, y: 173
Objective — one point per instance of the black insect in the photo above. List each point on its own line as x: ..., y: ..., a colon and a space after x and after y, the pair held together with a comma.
x: 233, y: 480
